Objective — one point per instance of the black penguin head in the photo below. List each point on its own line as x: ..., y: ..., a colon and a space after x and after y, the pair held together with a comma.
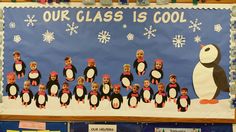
x: 210, y: 55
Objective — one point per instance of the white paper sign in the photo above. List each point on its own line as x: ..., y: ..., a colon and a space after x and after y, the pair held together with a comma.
x: 102, y: 128
x: 177, y: 130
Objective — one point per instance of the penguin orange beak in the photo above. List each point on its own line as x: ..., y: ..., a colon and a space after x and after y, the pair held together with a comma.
x: 201, y: 46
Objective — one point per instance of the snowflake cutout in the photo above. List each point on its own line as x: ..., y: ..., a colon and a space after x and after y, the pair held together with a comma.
x: 130, y: 36
x: 12, y: 25
x: 124, y: 26
x: 197, y: 39
x: 48, y: 37
x: 72, y: 28
x: 179, y: 41
x: 104, y: 37
x: 217, y: 28
x: 17, y: 38
x: 195, y: 25
x: 30, y: 20
x: 149, y: 32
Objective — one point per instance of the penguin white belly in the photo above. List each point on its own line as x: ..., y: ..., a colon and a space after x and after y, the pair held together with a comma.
x: 125, y: 81
x: 18, y: 67
x: 183, y: 102
x: 146, y: 94
x: 116, y: 102
x: 54, y: 88
x: 90, y: 73
x: 26, y: 97
x: 79, y: 92
x: 203, y: 82
x: 106, y: 89
x: 156, y: 74
x: 64, y: 97
x: 69, y: 73
x: 94, y: 99
x: 172, y: 92
x: 33, y: 75
x: 41, y: 99
x: 133, y: 101
x: 159, y: 98
x: 12, y: 90
x: 141, y: 67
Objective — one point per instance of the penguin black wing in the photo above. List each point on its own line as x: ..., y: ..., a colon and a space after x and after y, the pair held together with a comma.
x: 221, y: 79
x: 74, y: 69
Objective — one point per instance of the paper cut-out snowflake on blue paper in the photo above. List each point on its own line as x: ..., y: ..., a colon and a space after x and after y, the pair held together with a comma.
x: 149, y: 32
x: 195, y: 25
x: 179, y: 41
x: 30, y: 20
x: 48, y: 37
x: 72, y: 28
x: 104, y: 37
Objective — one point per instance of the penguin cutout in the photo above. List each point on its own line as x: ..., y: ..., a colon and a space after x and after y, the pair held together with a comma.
x: 134, y: 97
x: 94, y: 96
x: 126, y: 78
x: 34, y: 75
x: 172, y: 88
x: 26, y: 94
x: 12, y: 88
x: 41, y: 97
x: 90, y: 72
x: 106, y: 87
x: 160, y: 96
x: 53, y: 85
x: 183, y: 100
x: 19, y: 65
x: 146, y: 92
x: 140, y: 65
x: 69, y: 70
x: 80, y: 90
x: 156, y: 73
x: 65, y: 95
x: 116, y: 98
x: 208, y: 68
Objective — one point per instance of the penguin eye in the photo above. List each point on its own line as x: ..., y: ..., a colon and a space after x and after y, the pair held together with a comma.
x: 207, y: 49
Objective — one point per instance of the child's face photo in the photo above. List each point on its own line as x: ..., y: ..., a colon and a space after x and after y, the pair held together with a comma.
x: 161, y: 88
x: 146, y: 83
x: 126, y: 69
x: 135, y: 89
x: 105, y: 80
x: 11, y: 79
x: 91, y: 64
x: 172, y: 79
x: 184, y: 92
x: 41, y: 88
x: 139, y: 55
x: 158, y: 65
x: 65, y: 86
x: 53, y: 77
x: 27, y: 85
x: 16, y: 57
x: 80, y: 82
x: 33, y: 66
x: 68, y: 62
x: 116, y: 90
x: 94, y: 87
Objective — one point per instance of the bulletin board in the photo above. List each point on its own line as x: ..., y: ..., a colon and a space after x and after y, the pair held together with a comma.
x: 127, y: 45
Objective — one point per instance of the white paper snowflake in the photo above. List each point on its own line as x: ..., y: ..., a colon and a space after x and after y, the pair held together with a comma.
x: 195, y: 25
x: 48, y: 37
x: 17, y: 38
x: 178, y: 41
x: 12, y: 25
x: 30, y: 20
x: 124, y: 26
x: 130, y: 36
x: 104, y: 37
x: 72, y: 28
x: 217, y: 28
x: 197, y: 39
x: 149, y: 32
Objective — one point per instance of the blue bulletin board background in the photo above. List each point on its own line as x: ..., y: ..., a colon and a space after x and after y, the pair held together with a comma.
x: 111, y: 56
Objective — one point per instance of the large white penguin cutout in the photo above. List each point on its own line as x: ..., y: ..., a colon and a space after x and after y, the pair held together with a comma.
x: 208, y: 77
